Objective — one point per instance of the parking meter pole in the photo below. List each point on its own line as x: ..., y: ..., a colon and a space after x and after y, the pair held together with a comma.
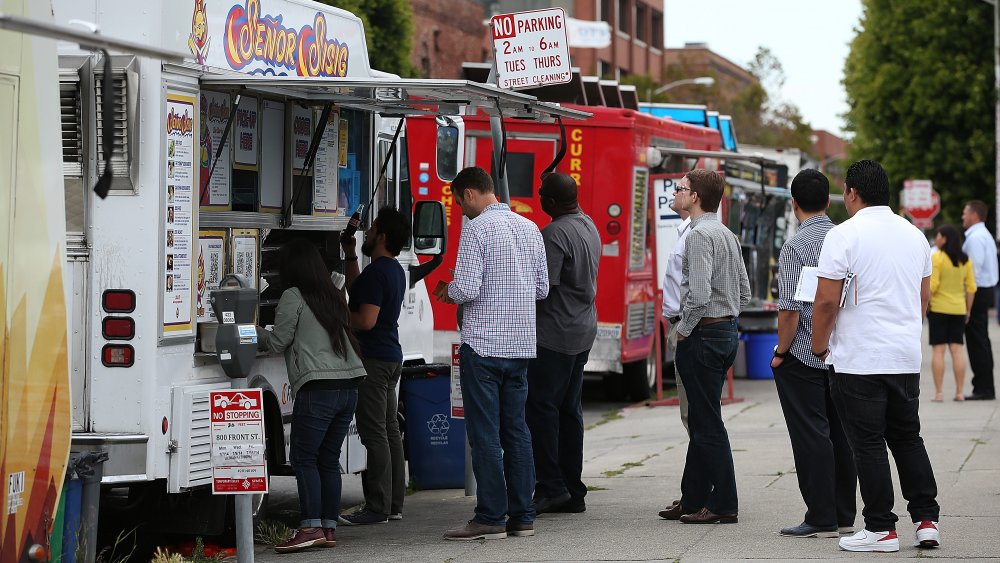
x: 496, y: 130
x: 244, y: 515
x: 470, y: 477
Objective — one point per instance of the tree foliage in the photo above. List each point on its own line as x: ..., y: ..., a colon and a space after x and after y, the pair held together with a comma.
x: 388, y: 30
x: 920, y: 88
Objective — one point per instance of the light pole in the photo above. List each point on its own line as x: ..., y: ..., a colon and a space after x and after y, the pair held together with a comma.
x: 700, y: 81
x: 996, y: 95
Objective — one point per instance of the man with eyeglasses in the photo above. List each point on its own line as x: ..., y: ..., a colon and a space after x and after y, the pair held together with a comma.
x: 714, y: 289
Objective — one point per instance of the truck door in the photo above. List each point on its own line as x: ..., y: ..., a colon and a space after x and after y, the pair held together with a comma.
x: 526, y: 160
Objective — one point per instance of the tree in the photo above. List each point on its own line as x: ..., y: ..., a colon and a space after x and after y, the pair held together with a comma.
x: 920, y: 89
x: 388, y: 29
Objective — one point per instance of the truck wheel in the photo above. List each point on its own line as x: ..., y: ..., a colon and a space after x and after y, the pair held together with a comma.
x: 614, y: 390
x: 638, y: 378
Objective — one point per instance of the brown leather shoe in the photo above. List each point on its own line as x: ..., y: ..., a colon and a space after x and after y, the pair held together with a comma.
x: 331, y: 537
x: 475, y: 531
x: 303, y: 538
x: 675, y: 511
x: 706, y: 516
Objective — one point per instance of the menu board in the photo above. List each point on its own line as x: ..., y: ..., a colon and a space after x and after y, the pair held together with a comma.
x: 302, y: 120
x: 211, y: 263
x: 179, y: 217
x: 245, y: 254
x: 215, y: 192
x: 272, y: 157
x: 245, y: 133
x: 325, y: 183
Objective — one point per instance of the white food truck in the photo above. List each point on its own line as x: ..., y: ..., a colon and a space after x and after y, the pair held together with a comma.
x: 211, y: 174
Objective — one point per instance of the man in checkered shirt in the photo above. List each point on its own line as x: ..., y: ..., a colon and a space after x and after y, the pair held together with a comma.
x: 500, y: 272
x: 824, y: 464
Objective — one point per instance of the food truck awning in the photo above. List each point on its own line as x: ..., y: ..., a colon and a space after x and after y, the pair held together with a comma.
x: 721, y: 155
x: 397, y: 97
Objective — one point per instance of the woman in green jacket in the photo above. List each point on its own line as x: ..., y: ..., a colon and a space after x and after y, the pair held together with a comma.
x: 311, y: 330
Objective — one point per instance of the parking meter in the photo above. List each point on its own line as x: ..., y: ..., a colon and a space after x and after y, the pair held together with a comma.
x: 235, y: 303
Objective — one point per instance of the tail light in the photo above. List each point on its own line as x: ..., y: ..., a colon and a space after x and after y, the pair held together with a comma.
x: 118, y: 328
x: 118, y: 300
x: 614, y: 228
x: 117, y: 355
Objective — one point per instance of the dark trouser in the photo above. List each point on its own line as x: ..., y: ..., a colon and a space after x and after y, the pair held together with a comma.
x: 703, y: 359
x: 320, y: 420
x: 494, y: 393
x: 977, y: 338
x: 880, y: 410
x: 555, y: 418
x: 378, y: 427
x: 824, y: 463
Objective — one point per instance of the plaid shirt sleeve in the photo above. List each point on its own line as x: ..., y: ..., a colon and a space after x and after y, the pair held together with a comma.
x: 469, y: 268
x: 789, y: 270
x: 541, y: 269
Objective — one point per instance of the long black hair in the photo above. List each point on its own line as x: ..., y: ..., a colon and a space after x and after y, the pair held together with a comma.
x: 302, y: 267
x: 953, y: 244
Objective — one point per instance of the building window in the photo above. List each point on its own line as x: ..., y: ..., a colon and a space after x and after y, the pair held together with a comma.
x: 604, y: 69
x: 606, y: 7
x: 640, y: 22
x: 657, y: 24
x: 624, y: 16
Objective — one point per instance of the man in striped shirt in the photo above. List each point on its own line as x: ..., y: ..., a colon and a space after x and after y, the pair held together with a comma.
x: 714, y: 288
x: 824, y: 463
x: 500, y: 272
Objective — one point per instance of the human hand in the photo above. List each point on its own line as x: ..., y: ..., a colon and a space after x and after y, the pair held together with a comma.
x: 776, y: 361
x: 441, y: 292
x: 680, y: 337
x: 349, y: 245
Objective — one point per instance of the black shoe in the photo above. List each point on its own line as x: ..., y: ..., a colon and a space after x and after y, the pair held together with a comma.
x: 572, y: 506
x: 980, y: 397
x: 550, y: 504
x: 365, y: 516
x: 804, y: 530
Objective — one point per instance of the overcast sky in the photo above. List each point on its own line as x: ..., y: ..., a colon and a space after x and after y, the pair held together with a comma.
x: 809, y: 37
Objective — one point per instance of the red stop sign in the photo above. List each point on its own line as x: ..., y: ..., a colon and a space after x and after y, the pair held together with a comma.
x: 923, y: 217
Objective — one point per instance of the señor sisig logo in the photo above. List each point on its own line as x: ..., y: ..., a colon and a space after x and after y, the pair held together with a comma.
x: 308, y: 52
x: 178, y: 124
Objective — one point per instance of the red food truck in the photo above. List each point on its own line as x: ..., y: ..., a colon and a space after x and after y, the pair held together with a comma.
x: 615, y: 157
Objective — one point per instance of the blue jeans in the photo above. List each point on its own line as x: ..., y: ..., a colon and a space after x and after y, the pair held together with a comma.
x: 320, y: 419
x: 703, y: 358
x: 494, y: 392
x: 555, y: 418
x: 880, y: 411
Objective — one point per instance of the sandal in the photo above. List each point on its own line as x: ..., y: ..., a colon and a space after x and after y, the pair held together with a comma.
x: 959, y: 397
x: 938, y: 397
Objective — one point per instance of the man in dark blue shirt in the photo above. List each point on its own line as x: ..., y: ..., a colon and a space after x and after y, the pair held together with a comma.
x: 376, y: 296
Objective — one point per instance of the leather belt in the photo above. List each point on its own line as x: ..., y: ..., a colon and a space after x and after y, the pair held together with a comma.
x: 712, y: 320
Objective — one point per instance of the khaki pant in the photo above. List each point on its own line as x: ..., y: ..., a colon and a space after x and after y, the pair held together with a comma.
x: 681, y: 394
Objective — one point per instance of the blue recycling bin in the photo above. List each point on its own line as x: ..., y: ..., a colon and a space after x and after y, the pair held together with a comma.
x: 435, y: 441
x: 760, y: 350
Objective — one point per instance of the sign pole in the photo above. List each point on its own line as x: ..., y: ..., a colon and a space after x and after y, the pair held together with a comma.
x: 496, y: 131
x: 244, y: 516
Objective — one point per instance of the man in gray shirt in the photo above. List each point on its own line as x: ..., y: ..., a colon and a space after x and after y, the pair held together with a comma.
x: 566, y: 328
x: 714, y: 289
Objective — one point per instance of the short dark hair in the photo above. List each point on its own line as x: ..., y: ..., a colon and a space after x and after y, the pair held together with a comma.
x: 560, y: 187
x: 811, y: 190
x: 979, y: 208
x: 393, y: 224
x: 709, y: 186
x: 474, y: 178
x: 870, y: 181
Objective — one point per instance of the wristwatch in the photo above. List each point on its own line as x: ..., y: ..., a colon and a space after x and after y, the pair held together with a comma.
x: 780, y: 355
x: 820, y: 354
x: 351, y: 258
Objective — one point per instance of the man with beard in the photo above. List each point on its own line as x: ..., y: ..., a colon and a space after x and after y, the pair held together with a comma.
x: 376, y: 296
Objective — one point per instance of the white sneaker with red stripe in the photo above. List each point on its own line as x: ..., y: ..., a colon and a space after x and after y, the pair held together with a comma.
x: 866, y: 540
x: 928, y: 534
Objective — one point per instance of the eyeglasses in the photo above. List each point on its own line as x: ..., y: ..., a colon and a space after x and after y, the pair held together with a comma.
x: 679, y: 190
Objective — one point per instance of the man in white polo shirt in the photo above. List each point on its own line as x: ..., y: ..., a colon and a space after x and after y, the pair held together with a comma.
x: 874, y: 286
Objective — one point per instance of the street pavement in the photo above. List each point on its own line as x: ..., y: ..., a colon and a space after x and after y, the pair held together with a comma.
x: 633, y: 465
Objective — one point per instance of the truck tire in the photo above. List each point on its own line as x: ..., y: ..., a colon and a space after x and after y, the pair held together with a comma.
x: 614, y: 389
x: 638, y: 378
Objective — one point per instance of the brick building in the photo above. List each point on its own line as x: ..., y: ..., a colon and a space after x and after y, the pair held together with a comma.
x: 696, y: 59
x: 447, y: 33
x: 831, y: 154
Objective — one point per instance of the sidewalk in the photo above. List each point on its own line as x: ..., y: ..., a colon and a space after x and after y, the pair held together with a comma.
x: 634, y: 464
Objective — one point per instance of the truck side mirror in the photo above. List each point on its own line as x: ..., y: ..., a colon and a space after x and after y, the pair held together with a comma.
x: 430, y: 232
x: 450, y: 147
